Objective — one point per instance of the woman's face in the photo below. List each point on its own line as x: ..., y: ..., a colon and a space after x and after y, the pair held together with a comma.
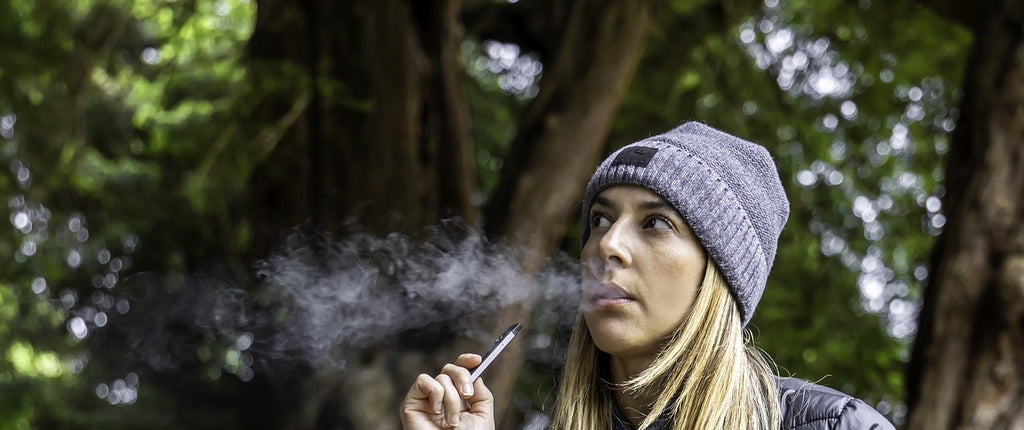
x: 641, y: 269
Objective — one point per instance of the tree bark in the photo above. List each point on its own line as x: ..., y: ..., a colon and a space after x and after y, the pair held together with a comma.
x: 561, y: 136
x: 387, y: 137
x: 384, y: 144
x: 967, y: 369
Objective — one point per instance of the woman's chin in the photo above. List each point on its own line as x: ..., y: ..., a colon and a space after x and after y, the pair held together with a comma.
x: 612, y: 339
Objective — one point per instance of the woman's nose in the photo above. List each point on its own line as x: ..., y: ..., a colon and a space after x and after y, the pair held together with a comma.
x: 614, y: 246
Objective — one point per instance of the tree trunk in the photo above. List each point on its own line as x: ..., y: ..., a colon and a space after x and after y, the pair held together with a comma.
x: 967, y: 369
x: 384, y: 143
x: 385, y: 140
x: 561, y: 136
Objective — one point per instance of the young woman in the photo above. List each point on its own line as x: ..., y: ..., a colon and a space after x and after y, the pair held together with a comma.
x: 679, y: 234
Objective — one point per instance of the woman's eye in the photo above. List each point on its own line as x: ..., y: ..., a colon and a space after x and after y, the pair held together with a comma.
x: 599, y: 220
x: 657, y: 222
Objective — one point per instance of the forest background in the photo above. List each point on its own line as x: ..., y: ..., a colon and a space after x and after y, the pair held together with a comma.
x: 273, y: 214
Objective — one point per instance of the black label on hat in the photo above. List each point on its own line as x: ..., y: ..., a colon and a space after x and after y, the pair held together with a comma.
x: 638, y: 156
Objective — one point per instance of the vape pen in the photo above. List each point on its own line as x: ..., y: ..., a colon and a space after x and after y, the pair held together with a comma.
x: 499, y: 344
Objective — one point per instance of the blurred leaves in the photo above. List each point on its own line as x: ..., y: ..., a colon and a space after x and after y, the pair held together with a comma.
x: 126, y: 127
x: 105, y: 107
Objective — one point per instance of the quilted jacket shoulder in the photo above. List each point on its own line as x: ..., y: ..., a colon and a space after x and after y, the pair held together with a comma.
x: 809, y: 406
x: 805, y: 406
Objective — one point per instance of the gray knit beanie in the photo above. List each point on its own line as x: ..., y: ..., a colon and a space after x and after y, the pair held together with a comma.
x: 726, y: 188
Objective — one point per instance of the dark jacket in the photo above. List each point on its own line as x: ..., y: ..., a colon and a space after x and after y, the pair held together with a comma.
x: 805, y: 406
x: 809, y: 406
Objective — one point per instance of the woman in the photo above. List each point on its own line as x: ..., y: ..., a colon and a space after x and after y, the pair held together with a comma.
x: 679, y: 234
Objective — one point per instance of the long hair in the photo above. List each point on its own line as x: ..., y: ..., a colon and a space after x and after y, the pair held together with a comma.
x: 707, y: 374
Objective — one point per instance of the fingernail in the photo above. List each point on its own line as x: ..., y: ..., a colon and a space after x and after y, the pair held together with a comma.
x: 454, y: 421
x: 437, y: 407
x: 467, y: 389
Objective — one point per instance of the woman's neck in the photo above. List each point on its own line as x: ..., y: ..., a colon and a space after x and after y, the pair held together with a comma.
x: 634, y: 407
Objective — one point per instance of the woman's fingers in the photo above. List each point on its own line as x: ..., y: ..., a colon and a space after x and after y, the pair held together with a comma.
x: 469, y: 361
x: 433, y: 392
x: 425, y: 395
x: 422, y: 408
x: 452, y: 400
x: 482, y: 402
x: 460, y: 379
x: 460, y: 374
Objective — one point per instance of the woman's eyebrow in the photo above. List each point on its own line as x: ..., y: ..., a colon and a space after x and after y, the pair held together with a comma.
x: 653, y: 205
x: 601, y: 201
x: 649, y: 205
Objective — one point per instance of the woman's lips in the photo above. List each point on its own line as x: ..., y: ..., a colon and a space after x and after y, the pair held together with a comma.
x: 606, y: 295
x: 604, y: 303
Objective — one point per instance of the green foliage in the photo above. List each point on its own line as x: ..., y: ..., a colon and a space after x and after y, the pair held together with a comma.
x: 107, y: 107
x: 127, y: 126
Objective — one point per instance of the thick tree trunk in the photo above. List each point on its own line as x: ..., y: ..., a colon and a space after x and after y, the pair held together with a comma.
x: 967, y: 369
x: 385, y: 138
x: 384, y: 141
x: 562, y: 134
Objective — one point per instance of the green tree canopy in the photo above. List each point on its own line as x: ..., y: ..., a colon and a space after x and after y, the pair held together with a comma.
x: 145, y: 155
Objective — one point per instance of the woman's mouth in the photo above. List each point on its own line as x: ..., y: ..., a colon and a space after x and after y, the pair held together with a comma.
x: 606, y: 295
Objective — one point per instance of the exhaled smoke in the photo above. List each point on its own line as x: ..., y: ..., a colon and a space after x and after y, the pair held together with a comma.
x: 345, y: 295
x: 321, y: 300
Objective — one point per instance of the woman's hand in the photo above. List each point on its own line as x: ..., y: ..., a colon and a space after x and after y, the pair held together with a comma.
x: 449, y: 400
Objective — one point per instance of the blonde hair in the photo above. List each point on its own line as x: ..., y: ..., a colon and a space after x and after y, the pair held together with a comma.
x: 708, y: 375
